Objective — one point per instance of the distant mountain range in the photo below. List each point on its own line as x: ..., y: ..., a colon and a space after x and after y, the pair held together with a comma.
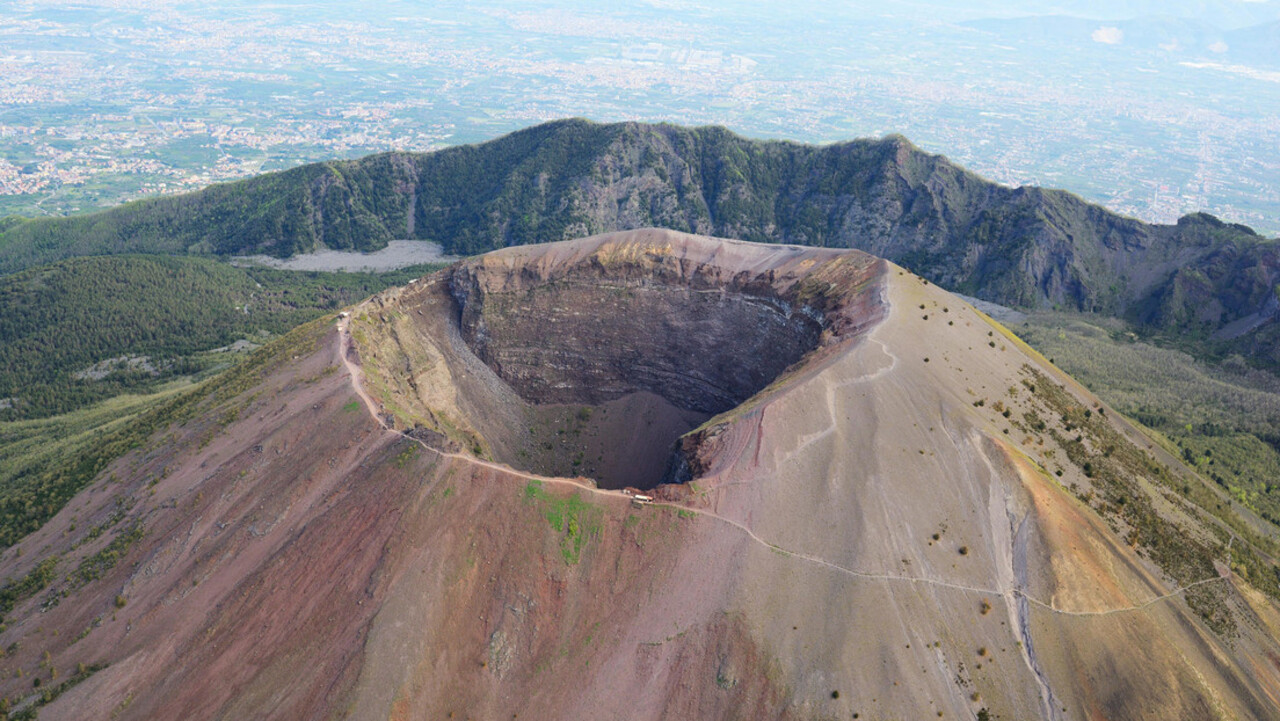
x: 1027, y: 247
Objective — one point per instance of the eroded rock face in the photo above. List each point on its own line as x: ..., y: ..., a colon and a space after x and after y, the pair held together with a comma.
x: 593, y: 336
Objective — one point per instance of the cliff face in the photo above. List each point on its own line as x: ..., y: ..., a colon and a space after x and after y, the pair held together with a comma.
x: 640, y: 318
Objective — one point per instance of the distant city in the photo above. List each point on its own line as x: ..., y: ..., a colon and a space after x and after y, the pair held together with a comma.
x: 105, y: 101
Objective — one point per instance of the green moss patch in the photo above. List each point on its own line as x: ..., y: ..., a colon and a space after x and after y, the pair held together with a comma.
x: 573, y: 519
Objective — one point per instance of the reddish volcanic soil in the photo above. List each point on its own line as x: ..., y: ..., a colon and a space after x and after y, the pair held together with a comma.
x: 370, y: 527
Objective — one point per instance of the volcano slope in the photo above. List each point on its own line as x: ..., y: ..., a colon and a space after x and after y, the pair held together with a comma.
x: 870, y: 503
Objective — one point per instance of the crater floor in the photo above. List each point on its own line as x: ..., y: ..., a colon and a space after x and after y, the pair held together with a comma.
x: 626, y: 442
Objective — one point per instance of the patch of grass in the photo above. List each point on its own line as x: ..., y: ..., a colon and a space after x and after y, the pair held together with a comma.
x: 405, y: 457
x: 50, y: 693
x: 533, y: 490
x: 575, y: 520
x: 36, y: 580
x: 95, y: 566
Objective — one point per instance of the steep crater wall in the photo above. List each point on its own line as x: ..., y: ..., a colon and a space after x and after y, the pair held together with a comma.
x: 589, y: 339
x: 621, y: 351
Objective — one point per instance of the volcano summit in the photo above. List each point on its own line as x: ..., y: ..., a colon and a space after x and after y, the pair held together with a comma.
x: 870, y: 501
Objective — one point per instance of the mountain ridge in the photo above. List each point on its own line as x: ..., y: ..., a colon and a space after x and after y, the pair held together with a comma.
x: 1025, y: 247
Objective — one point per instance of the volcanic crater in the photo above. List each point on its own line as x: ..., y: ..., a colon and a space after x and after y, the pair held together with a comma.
x: 596, y: 360
x: 877, y: 529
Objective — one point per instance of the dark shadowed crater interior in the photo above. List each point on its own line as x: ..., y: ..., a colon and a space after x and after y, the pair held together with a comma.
x: 615, y: 371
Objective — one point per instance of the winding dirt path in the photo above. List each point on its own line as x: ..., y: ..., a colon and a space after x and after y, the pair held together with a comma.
x: 345, y: 345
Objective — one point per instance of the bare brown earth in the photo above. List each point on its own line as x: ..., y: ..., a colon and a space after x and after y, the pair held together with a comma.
x: 856, y: 536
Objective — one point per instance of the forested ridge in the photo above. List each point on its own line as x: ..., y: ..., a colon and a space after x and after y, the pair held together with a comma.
x: 62, y: 319
x: 1025, y: 247
x: 1222, y: 418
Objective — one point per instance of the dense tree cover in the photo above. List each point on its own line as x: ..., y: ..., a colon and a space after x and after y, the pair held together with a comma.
x: 515, y: 190
x: 66, y: 317
x: 320, y: 205
x: 1028, y: 247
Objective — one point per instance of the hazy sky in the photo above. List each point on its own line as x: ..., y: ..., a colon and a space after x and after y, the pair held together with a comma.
x: 1226, y: 14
